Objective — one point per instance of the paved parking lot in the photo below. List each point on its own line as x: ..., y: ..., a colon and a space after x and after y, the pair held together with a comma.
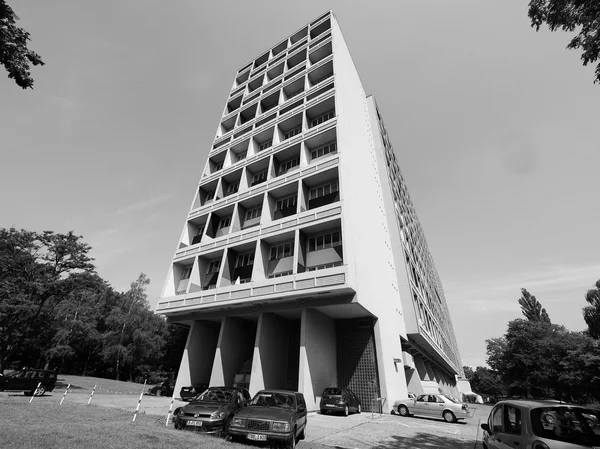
x: 362, y: 431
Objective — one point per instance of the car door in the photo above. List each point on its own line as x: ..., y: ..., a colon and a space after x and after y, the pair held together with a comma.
x: 421, y: 405
x: 506, y: 427
x: 436, y: 408
x: 300, y: 411
x: 353, y: 400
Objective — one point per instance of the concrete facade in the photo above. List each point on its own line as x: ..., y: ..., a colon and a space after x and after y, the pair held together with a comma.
x: 302, y: 264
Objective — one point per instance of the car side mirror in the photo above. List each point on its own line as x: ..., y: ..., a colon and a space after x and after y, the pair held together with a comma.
x: 486, y: 427
x: 301, y: 408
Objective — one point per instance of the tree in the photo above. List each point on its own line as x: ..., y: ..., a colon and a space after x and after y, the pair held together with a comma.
x: 571, y: 15
x: 469, y: 373
x: 37, y: 272
x: 591, y: 313
x: 531, y: 307
x: 487, y: 381
x: 14, y: 54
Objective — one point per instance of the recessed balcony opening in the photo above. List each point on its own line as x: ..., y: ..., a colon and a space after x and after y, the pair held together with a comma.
x: 231, y: 183
x: 240, y: 264
x: 321, y: 38
x: 241, y: 89
x: 264, y: 140
x: 321, y: 145
x: 275, y: 72
x: 321, y: 247
x: 319, y: 19
x: 293, y: 89
x: 270, y: 102
x: 228, y: 125
x: 287, y: 160
x: 248, y: 114
x: 321, y: 28
x: 255, y: 83
x: 291, y: 127
x: 251, y: 98
x: 299, y: 35
x: 296, y: 59
x: 320, y: 74
x: 279, y: 48
x: 220, y: 222
x: 216, y: 162
x: 279, y: 254
x: 320, y: 113
x: 182, y: 273
x: 234, y: 104
x: 260, y: 61
x: 320, y: 53
x: 196, y: 229
x: 207, y: 193
x: 243, y: 69
x: 209, y: 267
x: 258, y: 173
x: 283, y: 202
x: 294, y: 72
x: 250, y: 211
x: 321, y: 189
x: 242, y: 78
x: 239, y: 151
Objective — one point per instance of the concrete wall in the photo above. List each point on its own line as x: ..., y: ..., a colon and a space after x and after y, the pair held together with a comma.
x: 235, y: 346
x: 317, y: 356
x: 198, y: 355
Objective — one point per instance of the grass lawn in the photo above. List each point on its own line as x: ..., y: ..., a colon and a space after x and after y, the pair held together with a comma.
x: 45, y: 425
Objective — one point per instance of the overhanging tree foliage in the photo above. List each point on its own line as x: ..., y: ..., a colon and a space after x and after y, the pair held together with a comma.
x: 591, y: 313
x: 531, y: 307
x: 14, y: 54
x: 572, y: 15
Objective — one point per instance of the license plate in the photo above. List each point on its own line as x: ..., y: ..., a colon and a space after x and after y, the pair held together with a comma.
x: 257, y: 437
x: 195, y: 423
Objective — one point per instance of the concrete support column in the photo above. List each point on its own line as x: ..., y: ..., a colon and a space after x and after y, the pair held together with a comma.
x: 270, y: 354
x: 198, y: 355
x: 234, y: 347
x: 317, y: 369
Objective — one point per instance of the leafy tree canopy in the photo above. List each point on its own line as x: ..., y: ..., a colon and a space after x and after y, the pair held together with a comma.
x: 531, y: 307
x: 591, y: 313
x: 572, y: 15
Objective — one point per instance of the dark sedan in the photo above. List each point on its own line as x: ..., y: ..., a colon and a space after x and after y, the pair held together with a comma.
x: 212, y: 411
x: 273, y: 416
x: 340, y: 400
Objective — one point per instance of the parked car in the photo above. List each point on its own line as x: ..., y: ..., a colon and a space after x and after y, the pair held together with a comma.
x: 541, y: 425
x: 273, y: 416
x: 436, y: 405
x: 27, y: 381
x: 189, y: 393
x: 211, y: 411
x: 165, y: 388
x: 339, y: 400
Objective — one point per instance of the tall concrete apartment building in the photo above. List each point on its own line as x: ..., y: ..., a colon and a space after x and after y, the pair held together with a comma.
x: 302, y: 263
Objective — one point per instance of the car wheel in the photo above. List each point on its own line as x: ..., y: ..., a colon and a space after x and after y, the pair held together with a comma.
x: 323, y: 411
x: 303, y: 433
x: 402, y: 410
x: 449, y: 416
x: 346, y: 410
x: 40, y: 391
x: 358, y: 409
x: 292, y: 444
x: 224, y: 433
x: 28, y: 393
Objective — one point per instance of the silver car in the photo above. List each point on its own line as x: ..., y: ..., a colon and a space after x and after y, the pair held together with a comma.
x: 541, y: 425
x: 434, y: 405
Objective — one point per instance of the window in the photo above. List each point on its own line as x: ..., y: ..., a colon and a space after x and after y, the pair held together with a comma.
x: 292, y: 132
x: 187, y: 272
x: 287, y: 165
x: 330, y: 148
x: 233, y: 187
x: 322, y: 267
x: 242, y: 156
x: 323, y: 118
x: 265, y: 145
x: 278, y: 275
x: 282, y: 250
x: 259, y: 178
x: 210, y: 196
x: 253, y: 213
x: 286, y: 202
x: 496, y: 420
x: 244, y: 260
x: 324, y: 241
x: 213, y: 267
x: 323, y: 190
x: 198, y: 236
x: 218, y: 166
x: 225, y: 222
x: 512, y: 420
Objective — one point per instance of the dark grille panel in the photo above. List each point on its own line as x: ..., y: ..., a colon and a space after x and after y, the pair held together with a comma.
x: 258, y: 425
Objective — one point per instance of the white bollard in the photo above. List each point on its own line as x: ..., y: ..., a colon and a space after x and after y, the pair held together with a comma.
x: 139, y: 401
x: 63, y: 398
x: 36, y: 389
x: 170, y: 409
x: 90, y: 399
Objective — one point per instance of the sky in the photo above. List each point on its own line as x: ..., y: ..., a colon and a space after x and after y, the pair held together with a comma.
x: 495, y: 127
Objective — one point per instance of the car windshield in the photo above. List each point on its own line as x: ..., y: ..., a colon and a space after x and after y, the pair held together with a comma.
x: 272, y: 399
x: 216, y: 395
x: 332, y: 391
x: 576, y: 425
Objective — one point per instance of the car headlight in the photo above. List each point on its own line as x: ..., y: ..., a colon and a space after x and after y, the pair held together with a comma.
x: 178, y: 412
x: 218, y: 415
x: 238, y: 422
x: 281, y: 427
